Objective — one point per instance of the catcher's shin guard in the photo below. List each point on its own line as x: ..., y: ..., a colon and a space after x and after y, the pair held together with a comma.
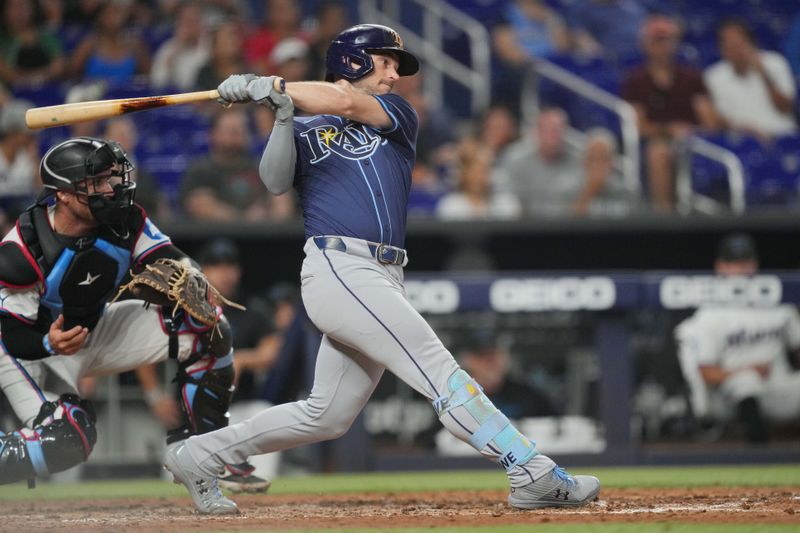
x: 205, y: 388
x: 62, y: 437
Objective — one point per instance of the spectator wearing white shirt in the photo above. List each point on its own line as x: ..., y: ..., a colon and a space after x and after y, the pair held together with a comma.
x: 179, y: 59
x: 474, y: 198
x: 19, y: 157
x: 752, y: 89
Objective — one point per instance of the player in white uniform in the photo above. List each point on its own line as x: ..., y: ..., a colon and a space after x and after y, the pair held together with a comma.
x: 736, y: 358
x: 59, y: 268
x: 351, y: 164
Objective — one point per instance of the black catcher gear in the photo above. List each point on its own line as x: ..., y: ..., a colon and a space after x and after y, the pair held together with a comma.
x: 63, y: 436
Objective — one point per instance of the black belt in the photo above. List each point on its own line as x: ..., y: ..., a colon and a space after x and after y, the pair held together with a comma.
x: 382, y: 253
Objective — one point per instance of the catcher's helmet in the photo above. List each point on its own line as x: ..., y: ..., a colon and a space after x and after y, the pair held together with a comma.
x: 348, y: 54
x: 70, y: 165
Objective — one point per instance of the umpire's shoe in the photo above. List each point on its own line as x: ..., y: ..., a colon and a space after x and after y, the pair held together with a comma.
x: 240, y: 478
x: 556, y: 489
x: 203, y: 488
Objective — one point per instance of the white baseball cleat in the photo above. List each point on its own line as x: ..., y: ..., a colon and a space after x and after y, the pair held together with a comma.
x: 556, y: 489
x: 206, y: 496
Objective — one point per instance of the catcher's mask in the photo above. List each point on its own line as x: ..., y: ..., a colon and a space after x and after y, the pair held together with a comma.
x: 97, y: 171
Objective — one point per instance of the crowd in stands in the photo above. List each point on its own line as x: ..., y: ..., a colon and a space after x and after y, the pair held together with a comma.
x: 686, y: 70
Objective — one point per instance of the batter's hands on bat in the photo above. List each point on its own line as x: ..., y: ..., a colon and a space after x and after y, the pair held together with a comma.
x: 66, y: 342
x: 262, y: 90
x: 234, y: 88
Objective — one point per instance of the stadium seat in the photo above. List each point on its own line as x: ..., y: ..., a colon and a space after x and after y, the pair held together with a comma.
x: 42, y: 95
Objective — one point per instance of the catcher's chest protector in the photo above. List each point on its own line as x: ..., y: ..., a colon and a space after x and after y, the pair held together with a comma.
x: 80, y: 278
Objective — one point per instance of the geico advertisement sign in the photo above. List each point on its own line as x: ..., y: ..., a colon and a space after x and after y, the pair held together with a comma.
x: 548, y: 294
x: 678, y: 292
x: 438, y: 296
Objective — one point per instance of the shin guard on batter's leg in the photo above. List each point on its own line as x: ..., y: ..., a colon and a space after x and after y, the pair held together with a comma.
x: 469, y: 415
x: 63, y: 436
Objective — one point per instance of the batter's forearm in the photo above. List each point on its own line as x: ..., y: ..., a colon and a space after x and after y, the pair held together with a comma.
x: 324, y: 98
x: 319, y: 97
x: 278, y: 161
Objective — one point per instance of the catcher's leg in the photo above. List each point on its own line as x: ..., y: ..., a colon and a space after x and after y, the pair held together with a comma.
x: 205, y: 387
x: 63, y: 436
x: 205, y: 381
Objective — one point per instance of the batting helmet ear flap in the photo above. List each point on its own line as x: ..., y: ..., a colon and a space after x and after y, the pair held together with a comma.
x: 348, y: 55
x: 350, y: 63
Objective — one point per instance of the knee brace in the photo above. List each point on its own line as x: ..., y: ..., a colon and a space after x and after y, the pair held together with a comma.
x: 63, y: 436
x: 205, y: 388
x: 512, y: 447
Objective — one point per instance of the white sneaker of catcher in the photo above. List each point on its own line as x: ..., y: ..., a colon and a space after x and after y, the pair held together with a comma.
x: 556, y: 489
x: 205, y: 493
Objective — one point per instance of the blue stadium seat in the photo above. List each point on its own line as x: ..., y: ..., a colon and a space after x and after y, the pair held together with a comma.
x: 708, y: 176
x: 43, y: 95
x: 71, y: 35
x: 156, y: 35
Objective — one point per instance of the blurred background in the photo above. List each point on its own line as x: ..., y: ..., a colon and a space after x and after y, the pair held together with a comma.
x: 593, y: 178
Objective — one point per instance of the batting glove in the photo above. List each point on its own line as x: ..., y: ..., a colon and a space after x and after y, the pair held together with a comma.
x: 262, y: 90
x: 234, y: 88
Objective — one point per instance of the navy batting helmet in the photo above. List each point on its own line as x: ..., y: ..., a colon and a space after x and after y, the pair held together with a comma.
x: 348, y: 54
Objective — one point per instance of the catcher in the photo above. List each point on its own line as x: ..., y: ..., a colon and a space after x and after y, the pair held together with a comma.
x: 62, y: 318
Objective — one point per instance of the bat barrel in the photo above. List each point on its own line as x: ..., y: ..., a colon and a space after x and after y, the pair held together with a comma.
x: 65, y: 114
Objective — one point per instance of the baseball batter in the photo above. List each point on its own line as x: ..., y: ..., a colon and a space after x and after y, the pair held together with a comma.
x: 59, y: 268
x: 734, y: 357
x: 351, y: 165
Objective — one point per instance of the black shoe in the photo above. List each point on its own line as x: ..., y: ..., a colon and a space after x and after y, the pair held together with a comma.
x: 240, y: 478
x: 754, y: 424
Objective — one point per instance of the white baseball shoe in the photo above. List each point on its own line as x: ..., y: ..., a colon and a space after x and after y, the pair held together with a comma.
x: 556, y: 489
x: 205, y: 493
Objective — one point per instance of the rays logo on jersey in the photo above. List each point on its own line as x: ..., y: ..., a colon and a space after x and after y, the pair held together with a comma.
x: 355, y: 141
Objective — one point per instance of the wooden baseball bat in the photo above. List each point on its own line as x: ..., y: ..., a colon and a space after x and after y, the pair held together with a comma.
x: 65, y: 114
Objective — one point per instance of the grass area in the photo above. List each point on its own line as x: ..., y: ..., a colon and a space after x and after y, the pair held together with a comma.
x: 770, y: 475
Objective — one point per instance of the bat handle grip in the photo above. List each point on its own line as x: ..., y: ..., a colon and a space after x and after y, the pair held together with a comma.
x: 279, y: 84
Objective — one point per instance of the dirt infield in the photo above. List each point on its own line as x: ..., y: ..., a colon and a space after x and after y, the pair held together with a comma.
x: 742, y: 505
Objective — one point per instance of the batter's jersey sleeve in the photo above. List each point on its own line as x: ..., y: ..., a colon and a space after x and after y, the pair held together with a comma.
x: 405, y: 122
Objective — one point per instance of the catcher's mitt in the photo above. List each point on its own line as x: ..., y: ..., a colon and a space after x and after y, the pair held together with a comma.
x: 168, y: 282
